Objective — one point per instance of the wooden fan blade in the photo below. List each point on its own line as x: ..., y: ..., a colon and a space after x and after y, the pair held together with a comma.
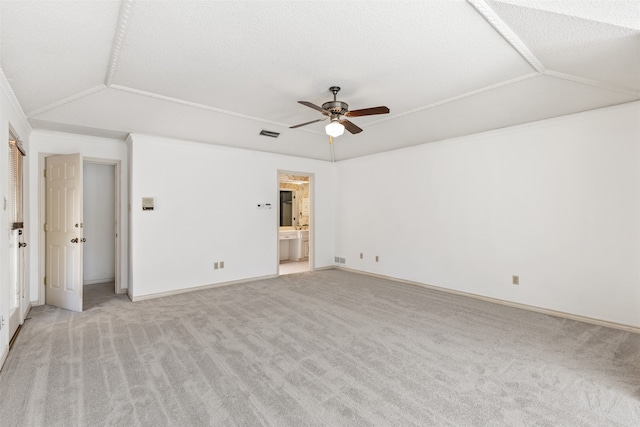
x: 367, y: 111
x: 308, y: 123
x: 314, y: 106
x: 350, y: 126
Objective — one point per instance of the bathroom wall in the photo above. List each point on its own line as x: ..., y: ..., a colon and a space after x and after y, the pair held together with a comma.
x: 302, y: 193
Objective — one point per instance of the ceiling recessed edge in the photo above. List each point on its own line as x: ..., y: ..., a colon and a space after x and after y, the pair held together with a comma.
x: 132, y: 135
x: 193, y: 104
x: 591, y: 82
x: 458, y: 97
x: 66, y: 100
x: 503, y: 29
x: 551, y: 121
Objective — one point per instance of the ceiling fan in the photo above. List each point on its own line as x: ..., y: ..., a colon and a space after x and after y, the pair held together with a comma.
x: 336, y: 111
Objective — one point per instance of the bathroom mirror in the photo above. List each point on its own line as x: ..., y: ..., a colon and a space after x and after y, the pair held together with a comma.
x: 287, y: 212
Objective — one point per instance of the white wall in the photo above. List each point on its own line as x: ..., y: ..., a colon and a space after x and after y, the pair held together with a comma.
x: 556, y: 202
x: 11, y: 116
x: 98, y: 255
x: 205, y: 211
x: 45, y: 143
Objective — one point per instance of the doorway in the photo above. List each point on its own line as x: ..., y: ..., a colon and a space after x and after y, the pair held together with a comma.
x: 294, y: 222
x: 80, y: 212
x: 99, y: 219
x: 16, y: 235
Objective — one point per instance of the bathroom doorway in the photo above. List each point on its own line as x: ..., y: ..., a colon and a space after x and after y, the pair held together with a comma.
x: 295, y: 232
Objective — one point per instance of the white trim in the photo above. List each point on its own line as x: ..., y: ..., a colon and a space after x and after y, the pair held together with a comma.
x: 565, y: 315
x: 503, y: 29
x: 195, y: 105
x: 457, y: 98
x: 26, y: 313
x: 197, y: 288
x: 66, y: 100
x: 3, y: 356
x: 123, y: 20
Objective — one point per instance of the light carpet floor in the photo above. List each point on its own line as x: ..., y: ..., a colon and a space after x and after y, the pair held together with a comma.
x: 320, y: 348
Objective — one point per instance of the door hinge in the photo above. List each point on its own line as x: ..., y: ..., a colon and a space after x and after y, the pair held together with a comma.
x: 45, y: 280
x: 45, y: 173
x: 45, y: 227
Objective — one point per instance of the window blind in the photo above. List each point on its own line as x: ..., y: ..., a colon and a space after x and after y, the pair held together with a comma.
x: 16, y: 152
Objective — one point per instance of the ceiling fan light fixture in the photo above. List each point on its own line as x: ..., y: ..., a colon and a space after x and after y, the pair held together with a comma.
x: 334, y: 129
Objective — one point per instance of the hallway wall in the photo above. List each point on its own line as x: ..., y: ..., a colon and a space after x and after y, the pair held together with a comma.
x: 99, y: 223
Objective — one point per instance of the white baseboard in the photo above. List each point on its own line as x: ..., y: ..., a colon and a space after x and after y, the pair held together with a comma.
x: 197, y: 288
x: 3, y: 356
x: 27, y: 311
x: 96, y: 281
x: 533, y: 308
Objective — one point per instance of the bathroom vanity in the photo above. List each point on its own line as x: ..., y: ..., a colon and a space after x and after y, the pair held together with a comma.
x: 294, y: 244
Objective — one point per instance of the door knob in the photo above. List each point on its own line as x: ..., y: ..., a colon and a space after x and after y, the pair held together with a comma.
x: 22, y: 245
x: 74, y: 240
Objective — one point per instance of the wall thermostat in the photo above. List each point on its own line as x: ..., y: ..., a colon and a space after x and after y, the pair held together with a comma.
x: 147, y: 203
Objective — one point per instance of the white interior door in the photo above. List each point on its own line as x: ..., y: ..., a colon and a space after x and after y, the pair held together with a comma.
x: 15, y: 280
x: 16, y: 236
x: 63, y: 277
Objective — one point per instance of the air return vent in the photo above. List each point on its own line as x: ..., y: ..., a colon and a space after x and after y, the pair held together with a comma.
x: 269, y: 133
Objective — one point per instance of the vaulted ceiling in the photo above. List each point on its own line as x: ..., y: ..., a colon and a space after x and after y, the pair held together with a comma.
x: 222, y: 71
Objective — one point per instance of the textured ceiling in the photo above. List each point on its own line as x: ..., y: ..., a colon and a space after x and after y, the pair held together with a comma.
x: 220, y: 72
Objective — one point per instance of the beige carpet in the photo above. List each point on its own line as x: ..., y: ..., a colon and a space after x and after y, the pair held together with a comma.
x: 321, y: 348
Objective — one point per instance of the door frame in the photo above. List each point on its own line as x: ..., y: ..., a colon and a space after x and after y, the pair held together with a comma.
x: 312, y: 216
x: 42, y: 216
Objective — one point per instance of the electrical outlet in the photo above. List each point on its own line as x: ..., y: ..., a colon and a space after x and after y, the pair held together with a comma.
x: 515, y: 280
x: 361, y: 255
x: 377, y: 258
x: 221, y: 264
x: 215, y: 265
x: 336, y: 259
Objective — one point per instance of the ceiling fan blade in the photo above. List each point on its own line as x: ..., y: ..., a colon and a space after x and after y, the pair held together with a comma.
x: 350, y: 126
x: 314, y: 106
x: 307, y: 123
x: 368, y: 111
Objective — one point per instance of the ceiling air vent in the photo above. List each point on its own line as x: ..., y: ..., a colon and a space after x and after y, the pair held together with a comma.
x: 269, y: 133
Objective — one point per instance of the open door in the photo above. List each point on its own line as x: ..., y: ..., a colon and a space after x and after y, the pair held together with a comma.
x: 63, y: 232
x: 16, y: 236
